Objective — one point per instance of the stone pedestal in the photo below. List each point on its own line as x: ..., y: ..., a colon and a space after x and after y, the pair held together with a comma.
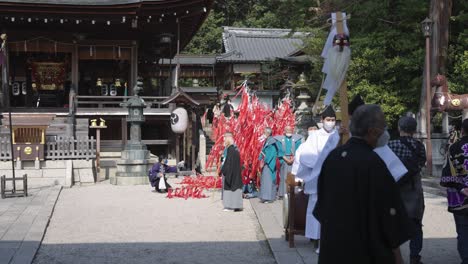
x: 133, y: 167
x: 439, y: 143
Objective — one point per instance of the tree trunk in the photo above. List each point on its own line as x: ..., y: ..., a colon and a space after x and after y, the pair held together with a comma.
x: 440, y: 13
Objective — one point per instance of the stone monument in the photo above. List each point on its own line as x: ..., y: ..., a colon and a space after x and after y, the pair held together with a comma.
x: 132, y: 169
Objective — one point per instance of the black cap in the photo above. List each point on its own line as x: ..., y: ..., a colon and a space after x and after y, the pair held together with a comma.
x: 328, y: 112
x: 355, y: 103
x: 407, y: 124
x: 312, y: 123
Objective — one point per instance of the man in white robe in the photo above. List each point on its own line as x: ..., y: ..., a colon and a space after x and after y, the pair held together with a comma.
x: 308, y: 154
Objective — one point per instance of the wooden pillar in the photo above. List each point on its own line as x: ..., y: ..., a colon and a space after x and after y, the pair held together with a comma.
x: 177, y: 139
x: 343, y: 88
x: 6, y: 79
x: 440, y: 12
x: 74, y: 69
x: 184, y: 146
x: 133, y: 68
x: 98, y: 154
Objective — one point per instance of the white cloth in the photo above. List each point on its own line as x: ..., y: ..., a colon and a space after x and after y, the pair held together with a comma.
x: 330, y: 84
x: 309, y: 157
x: 312, y: 230
x: 162, y: 183
x: 325, y: 143
x: 394, y: 164
x: 307, y: 153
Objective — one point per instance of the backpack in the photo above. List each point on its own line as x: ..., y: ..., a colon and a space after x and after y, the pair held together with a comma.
x: 411, y: 165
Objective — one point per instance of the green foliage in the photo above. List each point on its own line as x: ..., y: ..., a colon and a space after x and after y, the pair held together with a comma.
x: 386, y: 41
x: 458, y: 49
x: 208, y: 39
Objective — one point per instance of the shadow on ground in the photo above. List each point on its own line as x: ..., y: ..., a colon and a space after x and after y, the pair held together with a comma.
x: 436, y: 251
x: 171, y: 253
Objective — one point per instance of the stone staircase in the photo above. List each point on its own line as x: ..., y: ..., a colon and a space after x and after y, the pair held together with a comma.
x: 208, y: 129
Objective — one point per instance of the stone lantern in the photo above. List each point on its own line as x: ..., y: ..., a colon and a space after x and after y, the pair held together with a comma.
x: 303, y: 111
x: 133, y: 167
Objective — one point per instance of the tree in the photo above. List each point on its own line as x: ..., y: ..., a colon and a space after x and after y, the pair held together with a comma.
x: 386, y: 41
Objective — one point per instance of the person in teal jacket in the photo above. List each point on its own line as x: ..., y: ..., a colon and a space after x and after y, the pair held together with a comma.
x: 268, y: 179
x: 287, y: 146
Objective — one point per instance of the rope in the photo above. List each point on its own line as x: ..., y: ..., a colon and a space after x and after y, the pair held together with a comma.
x: 455, y: 117
x: 318, y: 95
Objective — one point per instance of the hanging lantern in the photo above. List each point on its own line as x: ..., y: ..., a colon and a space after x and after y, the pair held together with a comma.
x: 179, y: 120
x: 16, y: 89
x: 24, y: 90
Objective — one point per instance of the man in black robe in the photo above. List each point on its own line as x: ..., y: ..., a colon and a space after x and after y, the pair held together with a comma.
x: 228, y: 109
x: 232, y: 178
x: 362, y: 217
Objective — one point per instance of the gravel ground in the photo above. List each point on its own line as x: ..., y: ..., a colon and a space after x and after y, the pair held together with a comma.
x: 131, y: 224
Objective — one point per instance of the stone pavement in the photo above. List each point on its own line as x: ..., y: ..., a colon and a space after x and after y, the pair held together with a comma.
x: 439, y: 234
x: 103, y: 223
x: 270, y: 217
x: 23, y: 221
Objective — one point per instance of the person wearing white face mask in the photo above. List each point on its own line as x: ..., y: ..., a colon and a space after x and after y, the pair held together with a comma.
x: 359, y: 204
x: 311, y: 128
x: 287, y: 146
x: 308, y: 155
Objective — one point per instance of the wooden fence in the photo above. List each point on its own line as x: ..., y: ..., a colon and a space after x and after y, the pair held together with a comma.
x: 61, y: 149
x: 71, y: 148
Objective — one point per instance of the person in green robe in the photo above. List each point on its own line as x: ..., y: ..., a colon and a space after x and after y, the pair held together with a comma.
x: 268, y: 157
x: 287, y: 145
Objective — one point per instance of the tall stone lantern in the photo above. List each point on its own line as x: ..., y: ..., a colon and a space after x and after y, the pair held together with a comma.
x: 133, y: 167
x: 303, y: 111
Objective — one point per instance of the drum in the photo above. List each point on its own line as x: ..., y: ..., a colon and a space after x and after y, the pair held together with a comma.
x: 300, y: 208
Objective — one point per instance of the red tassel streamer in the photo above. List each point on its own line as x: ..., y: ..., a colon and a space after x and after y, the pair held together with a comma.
x: 248, y: 128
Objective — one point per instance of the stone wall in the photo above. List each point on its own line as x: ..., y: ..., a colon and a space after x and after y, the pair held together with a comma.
x: 53, y: 172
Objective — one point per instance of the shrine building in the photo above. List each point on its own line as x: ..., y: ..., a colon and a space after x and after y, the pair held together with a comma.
x: 78, y: 60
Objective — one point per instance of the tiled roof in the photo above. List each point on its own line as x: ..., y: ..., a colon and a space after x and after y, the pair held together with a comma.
x: 259, y: 44
x: 191, y: 60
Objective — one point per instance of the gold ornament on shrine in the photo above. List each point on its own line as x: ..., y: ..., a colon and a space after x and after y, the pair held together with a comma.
x: 28, y: 150
x: 456, y: 102
x: 102, y: 122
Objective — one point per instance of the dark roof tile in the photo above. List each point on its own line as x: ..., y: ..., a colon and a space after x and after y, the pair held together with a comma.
x: 259, y: 44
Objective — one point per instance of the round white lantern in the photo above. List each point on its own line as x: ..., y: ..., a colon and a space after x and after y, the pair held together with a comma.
x: 179, y: 120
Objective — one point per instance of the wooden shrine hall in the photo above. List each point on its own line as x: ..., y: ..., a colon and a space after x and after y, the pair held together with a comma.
x: 79, y: 60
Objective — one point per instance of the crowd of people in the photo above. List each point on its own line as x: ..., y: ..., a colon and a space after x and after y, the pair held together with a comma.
x: 365, y: 195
